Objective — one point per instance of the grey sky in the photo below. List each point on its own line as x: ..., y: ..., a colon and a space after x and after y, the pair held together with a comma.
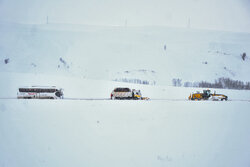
x: 230, y: 15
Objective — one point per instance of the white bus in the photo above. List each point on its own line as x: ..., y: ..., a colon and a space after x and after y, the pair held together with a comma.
x: 40, y: 92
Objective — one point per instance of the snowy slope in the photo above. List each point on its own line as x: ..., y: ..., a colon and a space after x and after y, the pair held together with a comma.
x: 106, y: 52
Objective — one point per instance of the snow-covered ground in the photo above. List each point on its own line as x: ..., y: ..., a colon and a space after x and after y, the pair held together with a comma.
x: 165, y: 131
x: 124, y: 133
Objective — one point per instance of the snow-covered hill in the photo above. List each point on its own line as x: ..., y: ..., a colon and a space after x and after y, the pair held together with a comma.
x: 102, y: 52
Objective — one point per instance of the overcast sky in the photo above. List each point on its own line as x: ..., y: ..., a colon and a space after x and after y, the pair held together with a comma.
x: 230, y: 15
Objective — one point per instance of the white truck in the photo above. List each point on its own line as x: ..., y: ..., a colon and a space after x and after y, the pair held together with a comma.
x: 125, y: 93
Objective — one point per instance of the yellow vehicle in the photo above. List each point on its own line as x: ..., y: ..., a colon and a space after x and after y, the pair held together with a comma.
x: 206, y: 95
x: 200, y: 96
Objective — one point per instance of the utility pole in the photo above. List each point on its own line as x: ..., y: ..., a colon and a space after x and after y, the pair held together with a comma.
x: 189, y: 23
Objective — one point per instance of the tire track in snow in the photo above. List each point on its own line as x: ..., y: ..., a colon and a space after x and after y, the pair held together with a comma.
x: 102, y: 99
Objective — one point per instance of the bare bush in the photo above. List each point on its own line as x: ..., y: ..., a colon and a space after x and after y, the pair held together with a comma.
x: 6, y: 61
x: 225, y: 83
x: 243, y: 56
x: 176, y: 82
